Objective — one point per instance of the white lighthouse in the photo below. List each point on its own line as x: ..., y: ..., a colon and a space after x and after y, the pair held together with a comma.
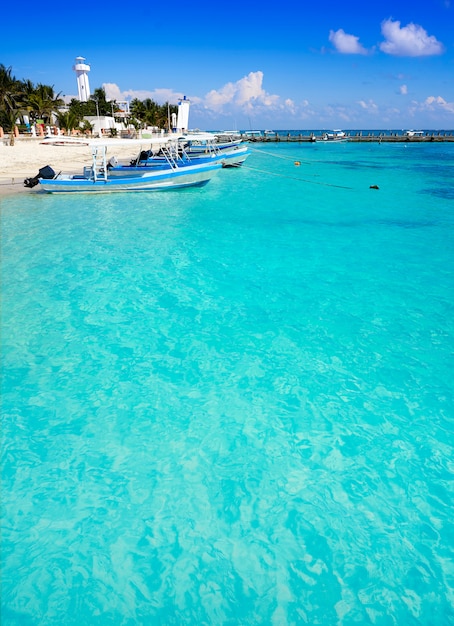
x: 81, y: 68
x: 183, y: 114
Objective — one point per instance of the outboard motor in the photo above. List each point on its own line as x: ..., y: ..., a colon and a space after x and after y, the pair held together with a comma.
x: 45, y: 172
x: 143, y: 156
x: 113, y: 162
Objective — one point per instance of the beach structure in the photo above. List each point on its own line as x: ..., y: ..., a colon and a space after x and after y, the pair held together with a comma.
x: 81, y: 68
x: 102, y: 124
x: 183, y: 115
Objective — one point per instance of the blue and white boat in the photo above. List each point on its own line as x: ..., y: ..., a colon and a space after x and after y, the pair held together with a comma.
x: 232, y: 152
x: 414, y: 133
x: 196, y: 147
x: 335, y: 135
x: 104, y: 176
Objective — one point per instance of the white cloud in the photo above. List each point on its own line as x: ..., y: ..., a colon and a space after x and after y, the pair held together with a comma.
x: 369, y: 106
x: 245, y: 96
x: 434, y: 103
x: 346, y: 44
x: 411, y: 40
x: 113, y: 92
x: 304, y: 112
x: 250, y: 88
x: 291, y: 107
x: 217, y: 99
x: 335, y: 113
x: 244, y: 93
x: 436, y: 107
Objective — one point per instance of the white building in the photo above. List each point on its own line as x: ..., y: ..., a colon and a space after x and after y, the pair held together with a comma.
x: 101, y: 124
x: 81, y: 68
x: 183, y: 115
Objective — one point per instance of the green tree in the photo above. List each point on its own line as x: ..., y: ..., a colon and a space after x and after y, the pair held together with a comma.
x: 137, y: 108
x: 10, y: 89
x: 42, y: 103
x: 99, y: 97
x: 164, y: 113
x: 152, y: 114
x: 11, y: 118
x: 81, y: 109
x: 11, y: 100
x: 68, y: 120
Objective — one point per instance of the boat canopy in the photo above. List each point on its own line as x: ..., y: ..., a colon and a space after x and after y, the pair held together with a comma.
x: 203, y: 137
x: 99, y: 143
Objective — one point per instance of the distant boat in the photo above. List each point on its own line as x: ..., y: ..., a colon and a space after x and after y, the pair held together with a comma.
x: 414, y: 133
x: 253, y: 135
x: 227, y: 136
x: 335, y: 135
x: 105, y: 177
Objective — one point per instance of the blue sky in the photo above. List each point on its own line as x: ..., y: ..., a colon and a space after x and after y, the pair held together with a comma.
x: 294, y: 64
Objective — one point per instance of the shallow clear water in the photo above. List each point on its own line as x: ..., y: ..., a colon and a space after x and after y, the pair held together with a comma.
x: 233, y: 405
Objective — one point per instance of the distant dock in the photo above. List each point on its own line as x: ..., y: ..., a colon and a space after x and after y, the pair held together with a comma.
x: 357, y: 137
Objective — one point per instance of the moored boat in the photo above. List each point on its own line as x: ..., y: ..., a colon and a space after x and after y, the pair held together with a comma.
x: 414, y: 133
x: 105, y: 176
x: 335, y: 135
x: 231, y: 153
x: 192, y: 148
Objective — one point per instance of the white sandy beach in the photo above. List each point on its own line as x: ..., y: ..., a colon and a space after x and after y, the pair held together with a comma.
x: 27, y: 156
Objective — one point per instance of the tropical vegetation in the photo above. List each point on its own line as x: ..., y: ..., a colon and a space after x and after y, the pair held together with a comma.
x: 40, y: 104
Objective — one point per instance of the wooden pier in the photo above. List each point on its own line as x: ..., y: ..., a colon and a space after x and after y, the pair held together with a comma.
x: 356, y: 137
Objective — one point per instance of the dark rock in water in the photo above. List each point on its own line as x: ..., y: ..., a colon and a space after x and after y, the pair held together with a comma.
x: 374, y: 187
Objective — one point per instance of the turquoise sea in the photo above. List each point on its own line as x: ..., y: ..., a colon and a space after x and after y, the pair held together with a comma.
x: 233, y: 405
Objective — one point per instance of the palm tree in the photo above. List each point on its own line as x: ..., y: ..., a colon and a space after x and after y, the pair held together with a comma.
x: 20, y: 97
x: 11, y: 118
x: 10, y: 89
x: 11, y: 100
x: 137, y: 108
x: 42, y: 102
x: 99, y: 97
x: 164, y: 115
x: 68, y: 120
x: 151, y: 113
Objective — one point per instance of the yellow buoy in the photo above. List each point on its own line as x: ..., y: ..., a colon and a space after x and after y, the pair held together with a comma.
x: 297, y: 163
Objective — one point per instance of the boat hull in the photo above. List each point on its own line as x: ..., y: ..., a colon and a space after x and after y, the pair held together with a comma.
x: 336, y: 136
x: 236, y: 157
x: 162, y: 180
x: 228, y: 157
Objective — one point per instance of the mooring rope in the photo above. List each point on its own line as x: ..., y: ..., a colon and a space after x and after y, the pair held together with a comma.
x: 302, y: 180
x: 279, y: 156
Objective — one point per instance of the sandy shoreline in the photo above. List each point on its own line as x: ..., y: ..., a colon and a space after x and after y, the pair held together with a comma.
x: 26, y: 157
